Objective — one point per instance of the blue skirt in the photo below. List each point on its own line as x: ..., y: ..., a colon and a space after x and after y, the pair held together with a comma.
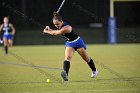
x: 78, y: 43
x: 9, y: 36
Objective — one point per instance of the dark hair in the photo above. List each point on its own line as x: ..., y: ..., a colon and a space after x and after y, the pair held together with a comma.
x: 7, y: 17
x: 57, y: 16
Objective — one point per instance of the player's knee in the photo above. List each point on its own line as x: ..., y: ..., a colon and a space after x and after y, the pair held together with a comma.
x: 10, y: 45
x: 68, y: 58
x: 5, y: 43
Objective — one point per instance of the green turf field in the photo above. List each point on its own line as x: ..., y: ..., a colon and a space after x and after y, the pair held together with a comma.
x: 26, y: 68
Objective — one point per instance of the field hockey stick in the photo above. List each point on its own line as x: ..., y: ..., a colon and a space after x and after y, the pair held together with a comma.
x: 58, y: 10
x: 60, y: 6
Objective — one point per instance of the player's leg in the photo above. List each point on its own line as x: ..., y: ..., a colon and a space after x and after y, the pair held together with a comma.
x: 10, y: 42
x: 5, y: 45
x: 83, y: 53
x: 69, y: 51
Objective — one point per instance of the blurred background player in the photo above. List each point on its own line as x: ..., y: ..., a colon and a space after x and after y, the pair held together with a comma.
x: 73, y: 43
x: 7, y: 30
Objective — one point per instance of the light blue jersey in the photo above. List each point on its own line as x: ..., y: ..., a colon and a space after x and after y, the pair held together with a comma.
x: 7, y: 32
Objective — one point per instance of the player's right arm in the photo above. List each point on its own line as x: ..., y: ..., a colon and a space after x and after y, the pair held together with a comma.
x: 1, y: 32
x: 63, y: 30
x: 1, y: 27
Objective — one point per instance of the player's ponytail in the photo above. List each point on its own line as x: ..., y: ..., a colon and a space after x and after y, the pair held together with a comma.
x: 57, y: 16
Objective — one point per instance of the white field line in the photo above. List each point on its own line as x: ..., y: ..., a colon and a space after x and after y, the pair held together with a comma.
x: 100, y: 90
x: 79, y: 91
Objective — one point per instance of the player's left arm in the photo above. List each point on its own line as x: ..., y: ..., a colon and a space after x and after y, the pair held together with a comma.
x: 65, y: 29
x: 13, y: 29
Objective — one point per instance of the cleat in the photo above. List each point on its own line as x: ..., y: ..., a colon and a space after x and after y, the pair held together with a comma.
x: 94, y: 73
x: 64, y: 76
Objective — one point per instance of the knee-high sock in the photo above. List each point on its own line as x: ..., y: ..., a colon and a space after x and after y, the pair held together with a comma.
x: 91, y: 65
x: 66, y: 66
x: 6, y: 49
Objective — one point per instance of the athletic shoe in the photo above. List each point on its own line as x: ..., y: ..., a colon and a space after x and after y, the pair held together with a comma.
x: 94, y: 73
x: 64, y: 75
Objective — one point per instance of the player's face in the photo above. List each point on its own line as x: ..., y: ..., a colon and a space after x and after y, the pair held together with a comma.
x: 5, y: 20
x: 57, y: 23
